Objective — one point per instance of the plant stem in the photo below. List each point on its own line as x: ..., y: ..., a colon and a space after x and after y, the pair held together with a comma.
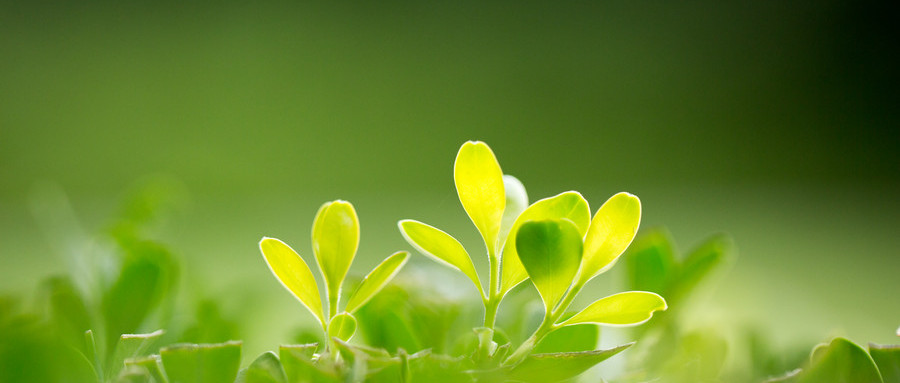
x: 492, y: 303
x: 490, y: 312
x: 522, y: 352
x: 567, y: 300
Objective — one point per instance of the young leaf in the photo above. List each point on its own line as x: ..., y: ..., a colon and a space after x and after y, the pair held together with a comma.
x: 376, y: 280
x: 516, y: 203
x: 887, y: 358
x: 570, y: 205
x: 342, y: 326
x: 335, y: 239
x: 622, y: 309
x: 560, y: 366
x: 441, y: 247
x: 610, y: 233
x: 551, y: 252
x: 479, y: 183
x: 841, y: 361
x: 202, y: 363
x: 293, y: 273
x: 265, y: 369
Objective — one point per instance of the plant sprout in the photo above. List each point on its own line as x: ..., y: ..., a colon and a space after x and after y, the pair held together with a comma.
x: 335, y: 239
x: 553, y: 241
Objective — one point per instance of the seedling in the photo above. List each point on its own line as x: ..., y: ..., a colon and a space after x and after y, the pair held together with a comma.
x: 554, y: 242
x: 335, y: 239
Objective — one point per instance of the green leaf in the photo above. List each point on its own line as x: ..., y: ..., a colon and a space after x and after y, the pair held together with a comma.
x: 622, y: 309
x: 611, y: 231
x: 516, y: 203
x: 700, y: 263
x: 299, y: 367
x: 147, y: 276
x: 887, y: 358
x: 551, y: 252
x: 265, y: 369
x: 650, y: 263
x: 581, y: 337
x: 151, y: 364
x: 66, y: 308
x: 569, y: 205
x: 441, y: 247
x: 841, y: 361
x: 202, y: 363
x: 479, y: 183
x: 293, y: 273
x: 335, y: 239
x: 342, y: 326
x: 561, y: 366
x: 376, y: 280
x: 131, y: 346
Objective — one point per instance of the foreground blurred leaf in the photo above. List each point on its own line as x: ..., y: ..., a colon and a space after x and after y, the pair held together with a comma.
x: 335, y: 239
x: 151, y: 365
x: 265, y: 369
x: 298, y: 365
x: 569, y: 205
x: 376, y: 280
x: 561, y: 366
x: 841, y: 361
x: 131, y: 346
x: 611, y: 231
x: 67, y: 310
x: 622, y: 309
x: 342, y: 326
x: 147, y: 276
x: 441, y: 247
x: 701, y: 262
x: 293, y: 273
x: 479, y: 183
x: 887, y: 358
x: 551, y: 253
x: 202, y: 363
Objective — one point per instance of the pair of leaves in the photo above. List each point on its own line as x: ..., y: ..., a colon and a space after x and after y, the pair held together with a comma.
x: 335, y: 238
x: 559, y: 262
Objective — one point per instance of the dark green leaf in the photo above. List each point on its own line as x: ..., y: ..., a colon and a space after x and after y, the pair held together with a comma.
x: 265, y: 369
x: 887, y: 358
x: 551, y: 253
x: 650, y: 263
x: 202, y: 363
x: 561, y: 366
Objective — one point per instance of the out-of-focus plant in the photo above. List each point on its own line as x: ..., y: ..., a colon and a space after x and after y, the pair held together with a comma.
x: 335, y: 239
x: 842, y: 361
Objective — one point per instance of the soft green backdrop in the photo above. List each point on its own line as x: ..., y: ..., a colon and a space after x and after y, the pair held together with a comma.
x: 773, y: 122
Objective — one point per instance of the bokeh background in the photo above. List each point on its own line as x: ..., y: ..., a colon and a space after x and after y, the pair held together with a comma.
x: 773, y: 121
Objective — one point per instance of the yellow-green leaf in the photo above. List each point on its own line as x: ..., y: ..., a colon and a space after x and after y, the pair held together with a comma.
x: 376, y: 280
x: 335, y: 238
x: 622, y: 309
x: 479, y: 183
x: 342, y: 326
x: 550, y: 250
x: 569, y: 205
x: 610, y: 233
x: 441, y: 247
x: 516, y: 203
x: 293, y: 273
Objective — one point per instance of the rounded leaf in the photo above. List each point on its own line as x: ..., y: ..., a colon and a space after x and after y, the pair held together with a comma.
x: 550, y: 250
x: 622, y: 309
x: 612, y: 230
x: 479, y: 183
x: 342, y: 326
x: 335, y: 239
x: 441, y: 247
x: 376, y: 280
x: 569, y: 205
x: 293, y: 273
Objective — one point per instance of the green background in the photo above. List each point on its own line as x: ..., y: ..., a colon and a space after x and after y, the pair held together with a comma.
x: 774, y: 122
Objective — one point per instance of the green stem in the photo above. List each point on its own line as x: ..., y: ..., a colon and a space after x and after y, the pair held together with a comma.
x: 567, y: 300
x: 525, y: 349
x: 492, y: 303
x: 490, y: 312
